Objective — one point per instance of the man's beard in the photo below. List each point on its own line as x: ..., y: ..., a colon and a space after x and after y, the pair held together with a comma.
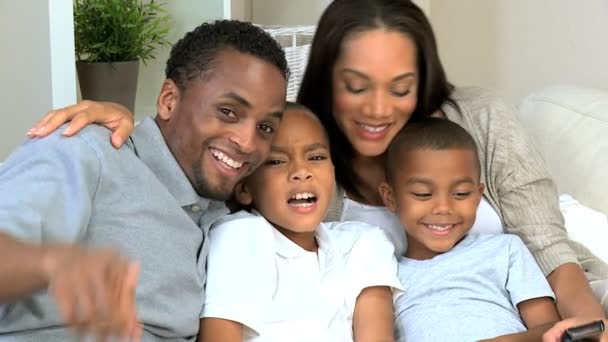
x: 205, y: 189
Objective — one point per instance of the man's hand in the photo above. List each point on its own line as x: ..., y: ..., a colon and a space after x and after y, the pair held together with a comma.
x: 95, y: 291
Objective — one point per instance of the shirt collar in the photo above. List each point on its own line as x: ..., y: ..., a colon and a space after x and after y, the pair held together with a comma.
x: 151, y: 148
x: 288, y: 249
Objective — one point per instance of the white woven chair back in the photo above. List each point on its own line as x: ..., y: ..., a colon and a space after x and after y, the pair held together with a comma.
x: 296, y: 41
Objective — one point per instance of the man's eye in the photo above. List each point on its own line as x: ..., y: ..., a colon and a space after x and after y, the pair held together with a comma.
x: 228, y: 112
x: 318, y: 157
x: 266, y: 129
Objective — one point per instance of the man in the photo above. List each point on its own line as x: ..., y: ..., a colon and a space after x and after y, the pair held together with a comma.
x: 87, y: 231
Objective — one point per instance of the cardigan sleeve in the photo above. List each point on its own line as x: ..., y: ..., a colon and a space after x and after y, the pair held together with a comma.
x: 517, y: 178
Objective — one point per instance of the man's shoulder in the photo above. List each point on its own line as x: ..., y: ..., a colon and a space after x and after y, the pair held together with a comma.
x: 91, y: 137
x: 98, y: 138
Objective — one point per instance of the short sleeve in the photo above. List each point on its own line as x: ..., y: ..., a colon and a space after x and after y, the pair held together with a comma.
x: 525, y: 279
x: 372, y: 262
x: 240, y: 270
x: 47, y: 188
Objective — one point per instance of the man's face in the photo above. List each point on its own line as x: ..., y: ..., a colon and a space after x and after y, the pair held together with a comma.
x: 219, y: 128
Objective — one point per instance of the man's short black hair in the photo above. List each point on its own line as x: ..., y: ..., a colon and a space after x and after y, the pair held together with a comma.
x: 196, y: 52
x: 428, y: 134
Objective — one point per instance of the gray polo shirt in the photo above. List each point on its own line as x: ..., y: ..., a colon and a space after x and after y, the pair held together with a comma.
x: 82, y: 190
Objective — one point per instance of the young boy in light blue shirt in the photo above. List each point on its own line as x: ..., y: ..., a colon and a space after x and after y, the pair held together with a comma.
x: 460, y: 286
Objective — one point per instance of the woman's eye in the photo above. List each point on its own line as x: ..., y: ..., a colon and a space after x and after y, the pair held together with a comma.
x: 400, y: 93
x: 228, y: 112
x: 266, y: 129
x: 355, y: 90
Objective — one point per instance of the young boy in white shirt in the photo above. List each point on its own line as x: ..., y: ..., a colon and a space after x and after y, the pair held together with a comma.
x: 277, y: 273
x: 460, y: 286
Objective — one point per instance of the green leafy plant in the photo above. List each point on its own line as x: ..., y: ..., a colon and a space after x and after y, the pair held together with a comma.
x: 119, y: 30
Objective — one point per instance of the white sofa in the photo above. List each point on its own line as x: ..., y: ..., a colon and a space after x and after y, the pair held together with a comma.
x: 570, y: 127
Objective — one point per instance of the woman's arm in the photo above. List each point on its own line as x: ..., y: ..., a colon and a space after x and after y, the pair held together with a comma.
x: 575, y: 301
x: 373, y: 317
x: 519, y: 183
x: 574, y: 295
x: 114, y: 116
x: 217, y: 329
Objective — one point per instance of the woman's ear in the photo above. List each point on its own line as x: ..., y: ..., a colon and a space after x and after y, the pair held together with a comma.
x: 166, y: 104
x: 386, y: 192
x: 242, y: 194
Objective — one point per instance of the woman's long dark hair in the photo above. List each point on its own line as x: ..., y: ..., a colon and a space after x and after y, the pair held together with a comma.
x: 343, y: 18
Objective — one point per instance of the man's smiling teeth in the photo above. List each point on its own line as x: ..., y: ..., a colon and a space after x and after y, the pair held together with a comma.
x: 373, y: 129
x: 440, y: 227
x: 226, y: 160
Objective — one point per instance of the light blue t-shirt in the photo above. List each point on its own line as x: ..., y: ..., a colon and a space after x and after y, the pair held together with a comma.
x: 469, y: 293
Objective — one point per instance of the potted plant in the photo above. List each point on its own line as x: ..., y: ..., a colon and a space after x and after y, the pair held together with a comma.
x: 111, y: 38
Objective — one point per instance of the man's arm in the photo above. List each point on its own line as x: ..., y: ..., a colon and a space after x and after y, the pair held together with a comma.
x: 46, y: 194
x: 373, y: 317
x: 23, y: 264
x: 217, y: 329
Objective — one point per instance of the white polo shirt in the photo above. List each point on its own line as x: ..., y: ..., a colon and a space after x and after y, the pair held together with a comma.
x: 281, y: 292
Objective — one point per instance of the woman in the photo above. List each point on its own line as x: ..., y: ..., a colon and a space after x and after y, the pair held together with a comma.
x: 373, y: 66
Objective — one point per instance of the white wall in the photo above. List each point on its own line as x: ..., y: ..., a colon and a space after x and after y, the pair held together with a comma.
x: 36, y: 64
x: 239, y: 9
x: 287, y: 12
x: 295, y: 12
x: 186, y: 15
x: 518, y: 46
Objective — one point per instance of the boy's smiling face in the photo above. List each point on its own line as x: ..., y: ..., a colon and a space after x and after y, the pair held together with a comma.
x: 293, y: 188
x: 435, y: 194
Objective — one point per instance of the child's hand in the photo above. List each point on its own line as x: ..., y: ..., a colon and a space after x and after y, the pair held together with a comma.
x: 555, y: 333
x: 114, y: 116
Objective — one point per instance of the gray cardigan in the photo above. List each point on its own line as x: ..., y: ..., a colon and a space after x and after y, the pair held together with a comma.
x: 517, y: 181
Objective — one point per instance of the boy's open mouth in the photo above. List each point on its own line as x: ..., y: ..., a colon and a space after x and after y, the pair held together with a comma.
x: 302, y: 199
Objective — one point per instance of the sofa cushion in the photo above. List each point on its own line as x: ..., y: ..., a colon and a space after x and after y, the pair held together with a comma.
x: 570, y: 126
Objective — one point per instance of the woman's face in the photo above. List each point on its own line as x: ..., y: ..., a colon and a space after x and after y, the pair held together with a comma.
x: 375, y: 84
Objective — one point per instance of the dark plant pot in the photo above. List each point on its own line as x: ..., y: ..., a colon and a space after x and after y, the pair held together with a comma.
x: 114, y: 82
